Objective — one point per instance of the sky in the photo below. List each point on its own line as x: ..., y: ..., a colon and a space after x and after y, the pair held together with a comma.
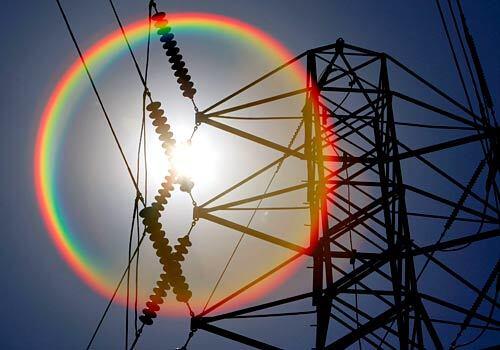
x: 46, y: 305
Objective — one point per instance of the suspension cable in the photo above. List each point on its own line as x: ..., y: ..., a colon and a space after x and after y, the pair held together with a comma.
x: 139, y: 196
x: 467, y: 61
x: 101, y: 103
x: 455, y: 60
x: 136, y: 64
x: 477, y: 64
x: 457, y: 65
x: 115, y: 292
x: 132, y: 227
x: 142, y: 138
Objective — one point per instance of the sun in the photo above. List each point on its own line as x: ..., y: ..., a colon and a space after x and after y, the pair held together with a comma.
x: 194, y: 160
x: 184, y: 160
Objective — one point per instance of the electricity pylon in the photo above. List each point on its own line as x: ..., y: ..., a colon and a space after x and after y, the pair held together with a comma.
x: 356, y: 189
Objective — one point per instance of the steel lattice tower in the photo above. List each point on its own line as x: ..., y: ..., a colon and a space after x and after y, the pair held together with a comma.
x: 356, y: 186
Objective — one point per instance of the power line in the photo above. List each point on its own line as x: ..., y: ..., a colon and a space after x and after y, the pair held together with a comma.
x: 477, y: 63
x: 136, y: 64
x: 467, y: 61
x: 142, y: 137
x: 108, y: 120
x: 134, y: 180
x: 455, y: 60
x: 132, y: 227
x: 101, y: 320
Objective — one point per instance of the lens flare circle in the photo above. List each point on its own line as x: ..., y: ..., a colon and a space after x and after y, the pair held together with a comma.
x: 50, y: 133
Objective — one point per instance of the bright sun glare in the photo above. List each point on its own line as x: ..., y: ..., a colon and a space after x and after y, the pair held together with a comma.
x: 194, y: 160
x: 184, y: 160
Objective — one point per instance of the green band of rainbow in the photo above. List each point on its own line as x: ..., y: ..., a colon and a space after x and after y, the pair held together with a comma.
x: 49, y: 133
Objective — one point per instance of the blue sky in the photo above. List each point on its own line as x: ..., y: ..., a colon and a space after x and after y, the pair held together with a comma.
x: 45, y: 305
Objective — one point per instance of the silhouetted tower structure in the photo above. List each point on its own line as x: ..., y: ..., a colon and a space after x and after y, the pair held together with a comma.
x: 356, y: 188
x: 383, y: 159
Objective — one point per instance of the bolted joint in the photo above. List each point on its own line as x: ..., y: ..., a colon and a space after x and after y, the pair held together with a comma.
x: 196, y: 213
x: 352, y: 260
x: 196, y: 321
x: 339, y: 45
x: 200, y: 118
